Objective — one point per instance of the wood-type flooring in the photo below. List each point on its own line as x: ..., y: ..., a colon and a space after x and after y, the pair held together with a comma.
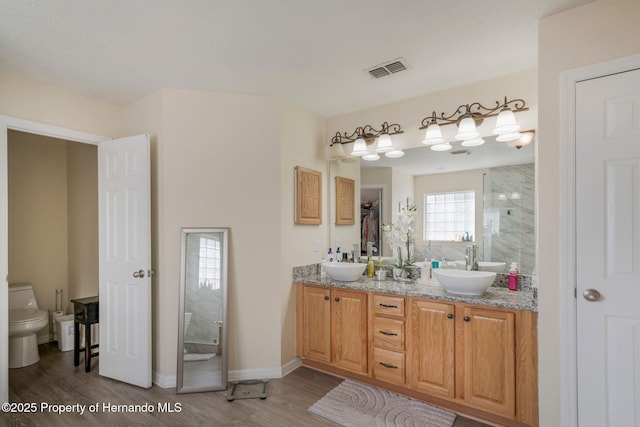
x: 55, y: 381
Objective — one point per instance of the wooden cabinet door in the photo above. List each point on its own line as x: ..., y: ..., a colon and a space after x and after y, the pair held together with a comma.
x: 349, y: 330
x: 431, y: 347
x: 316, y: 324
x: 489, y: 360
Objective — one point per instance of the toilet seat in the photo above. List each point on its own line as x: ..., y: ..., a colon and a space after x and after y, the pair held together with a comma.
x: 25, y: 315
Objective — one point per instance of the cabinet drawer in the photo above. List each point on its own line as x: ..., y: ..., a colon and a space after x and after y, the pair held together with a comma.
x: 388, y: 333
x: 393, y: 306
x: 388, y: 366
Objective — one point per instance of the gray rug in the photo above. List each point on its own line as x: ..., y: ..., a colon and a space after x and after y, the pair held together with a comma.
x: 353, y: 404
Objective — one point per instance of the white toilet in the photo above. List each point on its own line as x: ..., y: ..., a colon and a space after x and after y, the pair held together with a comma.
x: 25, y: 320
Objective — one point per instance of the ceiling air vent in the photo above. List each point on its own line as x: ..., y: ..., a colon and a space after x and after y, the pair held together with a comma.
x: 388, y: 68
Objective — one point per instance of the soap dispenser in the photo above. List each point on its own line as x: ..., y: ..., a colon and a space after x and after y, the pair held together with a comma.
x: 513, y: 277
x: 330, y: 255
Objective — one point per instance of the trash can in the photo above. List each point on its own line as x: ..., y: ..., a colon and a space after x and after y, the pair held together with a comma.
x: 64, y: 328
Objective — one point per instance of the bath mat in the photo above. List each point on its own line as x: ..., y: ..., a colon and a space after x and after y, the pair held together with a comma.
x: 353, y: 404
x: 198, y: 357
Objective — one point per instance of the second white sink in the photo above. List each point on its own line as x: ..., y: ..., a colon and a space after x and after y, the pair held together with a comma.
x: 464, y: 282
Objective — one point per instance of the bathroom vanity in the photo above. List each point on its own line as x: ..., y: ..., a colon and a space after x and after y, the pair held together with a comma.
x: 474, y: 355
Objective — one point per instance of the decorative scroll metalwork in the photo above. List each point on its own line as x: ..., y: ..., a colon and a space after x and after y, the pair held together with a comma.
x: 366, y: 132
x: 476, y: 110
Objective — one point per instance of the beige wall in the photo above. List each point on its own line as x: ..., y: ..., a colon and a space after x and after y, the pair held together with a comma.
x: 597, y: 32
x: 31, y: 100
x: 303, y: 142
x: 82, y: 220
x: 38, y: 216
x: 208, y: 177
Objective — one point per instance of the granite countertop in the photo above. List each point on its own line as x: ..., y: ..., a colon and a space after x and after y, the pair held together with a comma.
x: 495, y: 296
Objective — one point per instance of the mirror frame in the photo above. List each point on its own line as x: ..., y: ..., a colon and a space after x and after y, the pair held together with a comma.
x: 222, y: 340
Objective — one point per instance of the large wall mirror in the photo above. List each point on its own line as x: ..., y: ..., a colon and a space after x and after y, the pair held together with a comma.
x: 502, y: 177
x: 202, y: 331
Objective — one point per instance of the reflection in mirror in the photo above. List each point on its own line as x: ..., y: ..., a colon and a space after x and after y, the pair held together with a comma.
x: 423, y: 170
x: 202, y: 355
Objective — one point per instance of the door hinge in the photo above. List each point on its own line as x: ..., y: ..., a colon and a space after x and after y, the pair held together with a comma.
x: 575, y: 293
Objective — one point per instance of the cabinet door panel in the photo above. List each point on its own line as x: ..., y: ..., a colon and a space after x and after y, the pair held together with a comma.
x: 317, y: 324
x: 349, y: 327
x: 432, y: 347
x: 489, y: 352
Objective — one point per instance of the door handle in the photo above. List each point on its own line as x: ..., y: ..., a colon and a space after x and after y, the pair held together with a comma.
x: 591, y: 295
x: 138, y: 274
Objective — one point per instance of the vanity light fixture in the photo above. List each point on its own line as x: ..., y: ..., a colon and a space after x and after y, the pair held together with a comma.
x: 524, y: 139
x: 467, y: 117
x: 366, y: 135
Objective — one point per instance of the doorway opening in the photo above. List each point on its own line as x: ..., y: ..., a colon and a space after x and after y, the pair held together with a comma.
x: 371, y: 219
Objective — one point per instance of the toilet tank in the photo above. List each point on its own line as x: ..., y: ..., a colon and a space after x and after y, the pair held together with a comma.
x: 21, y: 296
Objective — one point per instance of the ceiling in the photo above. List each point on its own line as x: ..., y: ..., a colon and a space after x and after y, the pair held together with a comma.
x: 312, y: 52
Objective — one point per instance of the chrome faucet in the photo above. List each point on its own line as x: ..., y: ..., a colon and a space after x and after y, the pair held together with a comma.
x: 427, y: 253
x: 471, y: 257
x: 371, y: 249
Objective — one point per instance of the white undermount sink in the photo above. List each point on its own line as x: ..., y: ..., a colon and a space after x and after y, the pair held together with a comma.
x: 464, y: 282
x: 344, y: 271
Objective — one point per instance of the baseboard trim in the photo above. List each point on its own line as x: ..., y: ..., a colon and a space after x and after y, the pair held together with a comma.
x: 164, y: 381
x: 169, y: 381
x: 291, y: 366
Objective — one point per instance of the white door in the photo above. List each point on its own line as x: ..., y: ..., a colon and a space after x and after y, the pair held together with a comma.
x: 125, y: 259
x: 608, y: 250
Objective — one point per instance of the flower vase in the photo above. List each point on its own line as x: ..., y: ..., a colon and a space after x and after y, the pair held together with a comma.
x: 399, y: 273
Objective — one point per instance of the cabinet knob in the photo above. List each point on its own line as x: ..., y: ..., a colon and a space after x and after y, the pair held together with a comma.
x: 326, y: 297
x: 467, y: 318
x: 449, y: 316
x: 337, y: 299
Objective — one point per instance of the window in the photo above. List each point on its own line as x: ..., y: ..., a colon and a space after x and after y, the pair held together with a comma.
x: 209, y: 268
x: 449, y: 216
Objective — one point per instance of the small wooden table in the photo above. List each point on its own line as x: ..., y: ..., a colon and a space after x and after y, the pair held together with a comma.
x: 86, y: 312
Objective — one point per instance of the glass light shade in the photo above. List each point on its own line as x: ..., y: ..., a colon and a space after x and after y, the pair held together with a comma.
x: 394, y: 154
x: 506, y: 123
x: 359, y: 148
x: 384, y: 143
x: 467, y: 129
x: 515, y: 136
x: 433, y: 135
x: 371, y: 157
x: 336, y: 151
x: 525, y: 139
x: 441, y: 147
x: 472, y: 142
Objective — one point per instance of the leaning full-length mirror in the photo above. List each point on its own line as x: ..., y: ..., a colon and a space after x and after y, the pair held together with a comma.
x: 202, y: 332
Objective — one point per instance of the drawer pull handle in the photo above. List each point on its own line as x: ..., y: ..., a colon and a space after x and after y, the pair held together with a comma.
x: 388, y: 306
x: 389, y: 334
x: 386, y: 365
